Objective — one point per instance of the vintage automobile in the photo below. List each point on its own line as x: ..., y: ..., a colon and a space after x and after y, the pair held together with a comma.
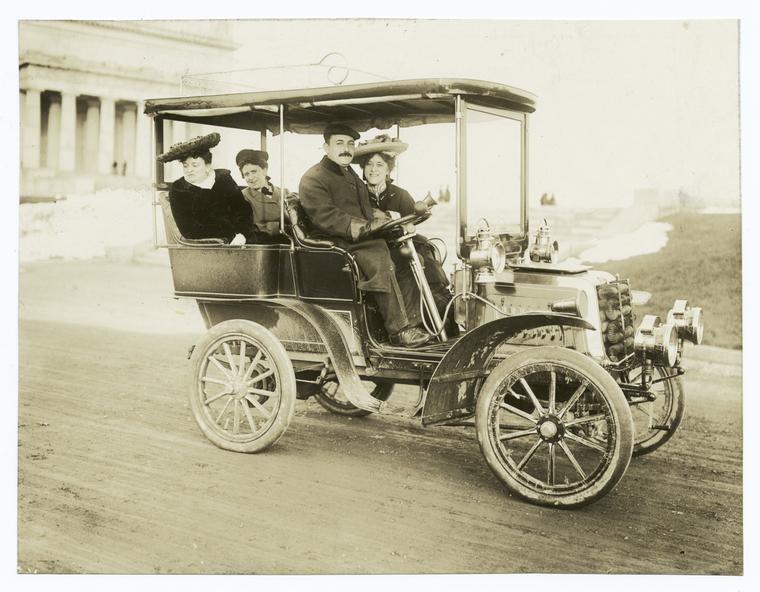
x: 549, y: 366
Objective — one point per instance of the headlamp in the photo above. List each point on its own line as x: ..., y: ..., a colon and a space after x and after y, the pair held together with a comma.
x: 489, y: 256
x: 658, y: 342
x: 688, y: 321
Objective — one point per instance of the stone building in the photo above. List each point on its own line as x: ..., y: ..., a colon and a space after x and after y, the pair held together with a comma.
x: 82, y: 86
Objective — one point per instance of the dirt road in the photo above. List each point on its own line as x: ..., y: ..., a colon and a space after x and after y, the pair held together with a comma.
x: 115, y: 477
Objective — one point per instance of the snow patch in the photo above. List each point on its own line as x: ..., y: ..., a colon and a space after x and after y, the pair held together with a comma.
x: 86, y: 226
x: 649, y: 238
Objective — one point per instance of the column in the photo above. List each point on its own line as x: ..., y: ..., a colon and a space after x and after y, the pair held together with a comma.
x: 144, y: 157
x: 32, y: 124
x: 91, y: 131
x: 130, y: 122
x: 106, y: 135
x: 53, y: 134
x: 68, y: 128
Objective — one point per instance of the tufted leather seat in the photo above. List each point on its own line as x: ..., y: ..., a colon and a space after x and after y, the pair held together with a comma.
x: 300, y: 224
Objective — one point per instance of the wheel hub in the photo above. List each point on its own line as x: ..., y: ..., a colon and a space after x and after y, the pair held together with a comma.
x: 239, y: 389
x: 550, y: 428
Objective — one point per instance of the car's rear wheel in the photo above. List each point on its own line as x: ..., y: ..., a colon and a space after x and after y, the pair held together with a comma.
x: 244, y: 388
x: 332, y: 398
x: 554, y: 427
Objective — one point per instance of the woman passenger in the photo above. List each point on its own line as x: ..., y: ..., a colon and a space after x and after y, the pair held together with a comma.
x: 263, y: 197
x: 377, y: 157
x: 206, y: 202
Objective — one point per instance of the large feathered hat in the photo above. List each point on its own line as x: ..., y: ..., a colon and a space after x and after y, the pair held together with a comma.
x: 382, y: 143
x: 195, y: 146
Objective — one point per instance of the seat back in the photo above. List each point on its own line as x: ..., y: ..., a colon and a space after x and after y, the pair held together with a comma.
x: 173, y: 235
x: 300, y: 224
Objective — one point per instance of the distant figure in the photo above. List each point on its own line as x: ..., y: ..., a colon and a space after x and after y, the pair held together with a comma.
x: 547, y: 200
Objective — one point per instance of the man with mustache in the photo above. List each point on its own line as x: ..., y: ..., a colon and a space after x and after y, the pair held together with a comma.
x: 337, y: 203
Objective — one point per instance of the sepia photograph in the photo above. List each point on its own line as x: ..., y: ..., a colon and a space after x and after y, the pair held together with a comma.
x: 310, y: 296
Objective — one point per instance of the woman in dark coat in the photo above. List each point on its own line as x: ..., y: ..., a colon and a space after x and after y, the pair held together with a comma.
x: 377, y: 158
x: 206, y: 203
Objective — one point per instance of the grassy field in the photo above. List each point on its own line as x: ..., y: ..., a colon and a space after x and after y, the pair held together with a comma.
x: 701, y: 263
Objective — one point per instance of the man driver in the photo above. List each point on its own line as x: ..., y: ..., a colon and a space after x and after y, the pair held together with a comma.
x: 338, y: 205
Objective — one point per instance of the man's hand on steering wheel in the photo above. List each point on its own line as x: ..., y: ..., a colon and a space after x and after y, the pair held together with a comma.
x: 379, y: 228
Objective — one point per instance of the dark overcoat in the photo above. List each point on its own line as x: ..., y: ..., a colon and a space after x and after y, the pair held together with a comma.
x: 219, y: 212
x: 397, y: 199
x: 337, y: 204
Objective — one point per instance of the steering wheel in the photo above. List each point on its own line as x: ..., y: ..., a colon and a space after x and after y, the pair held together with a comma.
x: 392, y: 225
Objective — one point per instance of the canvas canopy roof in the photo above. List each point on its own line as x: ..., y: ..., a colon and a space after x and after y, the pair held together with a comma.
x: 364, y: 106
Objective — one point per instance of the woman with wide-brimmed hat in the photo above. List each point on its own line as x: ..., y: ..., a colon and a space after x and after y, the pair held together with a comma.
x: 263, y: 197
x: 377, y: 158
x: 206, y: 202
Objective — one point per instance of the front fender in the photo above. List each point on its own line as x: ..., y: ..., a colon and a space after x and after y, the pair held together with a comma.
x: 451, y: 392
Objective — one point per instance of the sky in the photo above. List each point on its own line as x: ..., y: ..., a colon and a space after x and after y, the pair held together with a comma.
x: 622, y: 106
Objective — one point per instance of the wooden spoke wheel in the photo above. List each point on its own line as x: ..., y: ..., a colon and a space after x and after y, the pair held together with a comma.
x: 655, y: 422
x: 554, y: 426
x: 244, y: 388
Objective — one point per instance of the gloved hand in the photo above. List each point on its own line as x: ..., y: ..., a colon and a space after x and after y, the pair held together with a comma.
x: 363, y: 229
x: 237, y: 240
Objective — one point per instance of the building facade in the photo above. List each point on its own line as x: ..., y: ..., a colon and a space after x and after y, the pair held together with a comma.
x: 82, y: 86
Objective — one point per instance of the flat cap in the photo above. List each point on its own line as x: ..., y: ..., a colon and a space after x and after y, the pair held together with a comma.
x: 339, y: 129
x: 248, y: 156
x: 197, y: 145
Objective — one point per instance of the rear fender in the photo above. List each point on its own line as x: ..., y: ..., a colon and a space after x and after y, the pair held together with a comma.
x: 451, y: 393
x: 337, y: 349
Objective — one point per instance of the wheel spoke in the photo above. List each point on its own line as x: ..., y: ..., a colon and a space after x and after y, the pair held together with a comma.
x: 215, y: 381
x: 573, y: 399
x: 228, y: 355
x: 218, y: 396
x: 242, y: 357
x: 585, y: 442
x: 263, y: 410
x: 252, y: 367
x: 532, y: 396
x: 224, y: 370
x: 263, y: 393
x: 587, y: 419
x: 529, y: 454
x: 571, y: 458
x: 248, y: 416
x: 552, y: 393
x: 261, y: 376
x: 221, y: 413
x: 517, y: 411
x: 518, y: 434
x: 235, y: 417
x: 550, y: 464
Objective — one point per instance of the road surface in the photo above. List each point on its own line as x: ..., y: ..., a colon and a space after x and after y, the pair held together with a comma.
x: 115, y: 477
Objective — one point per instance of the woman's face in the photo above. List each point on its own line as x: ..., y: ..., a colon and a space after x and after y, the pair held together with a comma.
x: 376, y: 170
x: 254, y: 175
x: 195, y: 170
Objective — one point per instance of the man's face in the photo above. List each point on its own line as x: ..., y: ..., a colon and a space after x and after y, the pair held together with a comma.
x: 254, y: 175
x: 340, y: 149
x: 195, y: 170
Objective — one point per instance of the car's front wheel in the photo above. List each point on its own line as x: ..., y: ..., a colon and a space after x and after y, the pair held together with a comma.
x: 554, y: 427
